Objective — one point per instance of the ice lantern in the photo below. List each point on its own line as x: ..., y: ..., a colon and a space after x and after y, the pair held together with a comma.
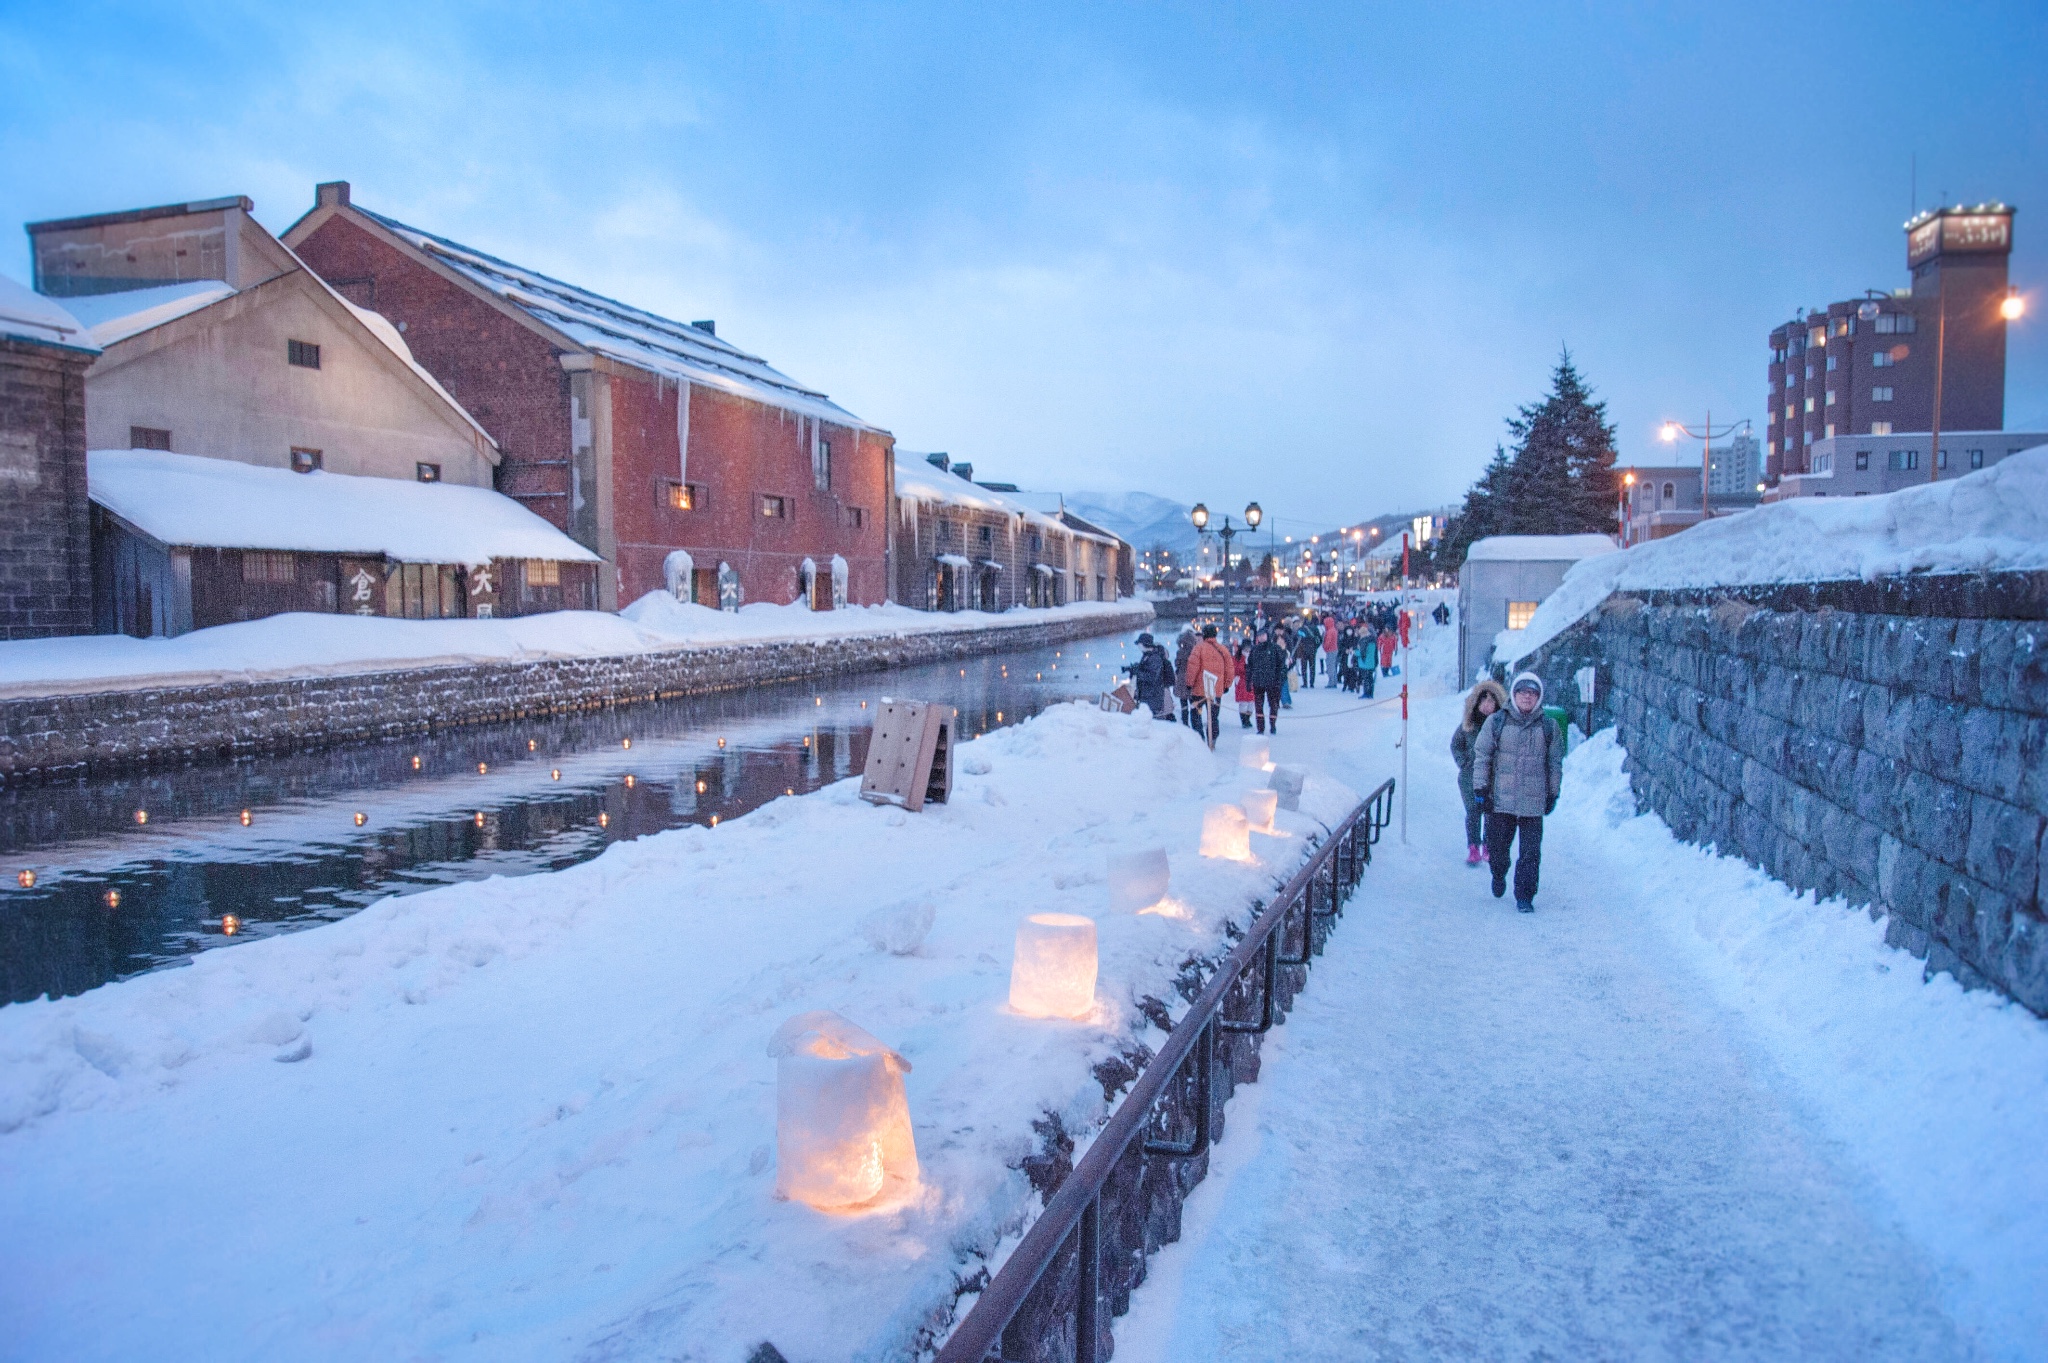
x: 1259, y: 806
x: 1256, y: 754
x: 842, y: 1121
x: 1054, y: 972
x: 1139, y: 880
x: 1226, y: 833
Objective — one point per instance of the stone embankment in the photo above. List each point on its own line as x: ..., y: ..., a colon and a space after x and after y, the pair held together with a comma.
x: 118, y: 729
x: 1883, y: 741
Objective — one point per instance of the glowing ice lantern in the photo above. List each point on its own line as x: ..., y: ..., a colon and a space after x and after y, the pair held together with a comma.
x: 1259, y: 807
x: 1054, y: 972
x: 1256, y: 754
x: 1226, y: 833
x: 1139, y: 880
x: 842, y: 1121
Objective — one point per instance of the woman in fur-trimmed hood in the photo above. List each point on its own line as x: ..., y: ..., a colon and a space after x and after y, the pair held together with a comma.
x: 1485, y: 699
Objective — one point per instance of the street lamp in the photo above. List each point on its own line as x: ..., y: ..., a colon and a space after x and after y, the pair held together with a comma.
x: 1706, y: 435
x: 1253, y: 514
x: 1628, y: 482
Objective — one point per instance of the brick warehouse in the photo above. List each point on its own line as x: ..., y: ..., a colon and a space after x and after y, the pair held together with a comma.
x: 45, y: 565
x: 680, y: 459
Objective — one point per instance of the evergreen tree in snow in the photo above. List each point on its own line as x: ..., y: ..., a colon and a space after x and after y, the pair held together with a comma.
x: 1558, y: 481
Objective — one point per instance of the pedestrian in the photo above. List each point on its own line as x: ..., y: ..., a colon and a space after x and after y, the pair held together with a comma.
x: 1305, y: 655
x: 1386, y: 651
x: 1183, y: 647
x: 1153, y: 672
x: 1329, y: 650
x: 1241, y: 691
x: 1517, y: 771
x: 1484, y: 699
x: 1208, y: 675
x: 1266, y: 672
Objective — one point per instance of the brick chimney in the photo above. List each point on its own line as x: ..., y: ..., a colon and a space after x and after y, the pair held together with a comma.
x: 331, y: 193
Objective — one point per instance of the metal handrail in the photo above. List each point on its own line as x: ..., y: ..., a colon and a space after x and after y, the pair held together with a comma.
x: 1075, y: 1210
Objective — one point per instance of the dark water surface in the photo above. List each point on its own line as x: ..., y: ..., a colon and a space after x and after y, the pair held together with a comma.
x: 137, y: 872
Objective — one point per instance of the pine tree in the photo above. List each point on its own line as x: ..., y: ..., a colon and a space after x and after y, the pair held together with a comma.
x: 1559, y: 480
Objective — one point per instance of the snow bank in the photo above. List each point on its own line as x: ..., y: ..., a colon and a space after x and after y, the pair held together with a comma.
x: 534, y: 1118
x: 1996, y: 519
x: 1541, y: 548
x: 307, y: 645
x: 182, y: 499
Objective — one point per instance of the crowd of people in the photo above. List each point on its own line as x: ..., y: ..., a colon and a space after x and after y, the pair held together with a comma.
x: 1509, y: 752
x: 1257, y: 670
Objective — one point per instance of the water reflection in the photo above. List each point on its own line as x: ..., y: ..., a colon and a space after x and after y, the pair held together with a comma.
x: 123, y: 874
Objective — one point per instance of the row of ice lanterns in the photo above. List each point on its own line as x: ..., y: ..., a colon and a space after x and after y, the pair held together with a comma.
x: 842, y: 1117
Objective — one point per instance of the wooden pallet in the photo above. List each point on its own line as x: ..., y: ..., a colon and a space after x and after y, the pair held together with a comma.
x: 910, y: 756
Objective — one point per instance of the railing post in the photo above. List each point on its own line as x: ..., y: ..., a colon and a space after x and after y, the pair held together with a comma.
x: 1089, y: 1298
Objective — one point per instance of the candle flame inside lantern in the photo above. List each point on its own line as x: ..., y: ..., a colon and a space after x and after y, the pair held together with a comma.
x: 629, y: 781
x: 721, y: 742
x: 482, y: 768
x: 1226, y: 833
x: 229, y: 926
x: 531, y: 745
x: 247, y: 819
x: 700, y: 787
x: 141, y: 816
x: 625, y: 742
x: 1053, y: 974
x: 415, y: 763
x: 479, y: 818
x: 842, y: 1120
x: 361, y: 818
x: 604, y: 820
x: 25, y: 879
x: 113, y: 899
x: 554, y: 773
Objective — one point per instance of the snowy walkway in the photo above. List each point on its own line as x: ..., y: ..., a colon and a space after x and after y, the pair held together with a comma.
x: 1591, y: 1134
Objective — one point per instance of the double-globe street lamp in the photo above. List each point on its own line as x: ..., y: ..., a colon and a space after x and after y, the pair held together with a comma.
x: 1252, y: 516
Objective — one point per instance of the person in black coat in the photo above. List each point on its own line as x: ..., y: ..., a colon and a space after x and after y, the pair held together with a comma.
x: 1265, y: 668
x: 1153, y: 672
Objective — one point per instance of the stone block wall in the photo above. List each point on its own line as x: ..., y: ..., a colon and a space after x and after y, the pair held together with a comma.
x: 114, y: 730
x: 1886, y: 742
x: 45, y: 545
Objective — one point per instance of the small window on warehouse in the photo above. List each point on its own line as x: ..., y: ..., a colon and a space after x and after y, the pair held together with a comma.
x: 543, y: 572
x: 1520, y: 613
x: 683, y: 496
x: 305, y: 460
x: 774, y: 508
x: 148, y: 438
x: 428, y: 473
x: 856, y: 518
x: 304, y: 354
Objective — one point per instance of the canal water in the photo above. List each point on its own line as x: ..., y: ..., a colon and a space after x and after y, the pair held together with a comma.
x: 110, y: 877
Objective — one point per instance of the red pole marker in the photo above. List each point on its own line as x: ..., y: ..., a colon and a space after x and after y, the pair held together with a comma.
x: 1404, y: 700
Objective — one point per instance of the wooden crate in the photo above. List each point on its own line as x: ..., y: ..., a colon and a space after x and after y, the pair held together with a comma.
x: 910, y: 756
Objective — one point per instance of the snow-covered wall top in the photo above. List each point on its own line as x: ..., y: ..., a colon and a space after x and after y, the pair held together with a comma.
x: 1995, y: 520
x: 642, y: 339
x: 1541, y: 548
x: 181, y: 499
x: 28, y: 316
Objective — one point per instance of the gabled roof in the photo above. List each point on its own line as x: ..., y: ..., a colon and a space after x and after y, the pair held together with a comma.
x: 117, y: 316
x: 619, y: 331
x: 918, y: 480
x: 192, y: 502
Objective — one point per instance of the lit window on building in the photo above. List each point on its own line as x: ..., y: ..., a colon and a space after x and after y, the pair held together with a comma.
x: 543, y: 572
x: 1880, y: 428
x: 1520, y: 613
x: 774, y: 508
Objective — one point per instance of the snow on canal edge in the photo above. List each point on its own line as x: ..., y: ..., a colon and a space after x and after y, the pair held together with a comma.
x: 522, y: 1118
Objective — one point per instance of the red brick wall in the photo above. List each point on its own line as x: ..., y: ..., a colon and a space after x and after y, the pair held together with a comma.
x: 738, y: 451
x: 508, y: 377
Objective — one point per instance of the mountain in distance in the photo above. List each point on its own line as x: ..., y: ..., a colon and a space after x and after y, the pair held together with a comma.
x: 1141, y: 519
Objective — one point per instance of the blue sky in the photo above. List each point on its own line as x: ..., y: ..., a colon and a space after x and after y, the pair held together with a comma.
x: 1312, y: 255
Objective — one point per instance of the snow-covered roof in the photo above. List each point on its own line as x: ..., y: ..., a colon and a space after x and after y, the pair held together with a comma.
x: 182, y: 499
x: 1990, y: 521
x: 921, y: 481
x: 1541, y: 548
x: 130, y: 312
x: 631, y: 335
x: 26, y: 315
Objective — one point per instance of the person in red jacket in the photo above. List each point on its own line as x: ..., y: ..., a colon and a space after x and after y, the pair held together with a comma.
x: 1329, y: 651
x: 1386, y: 653
x: 1242, y: 692
x: 1208, y: 678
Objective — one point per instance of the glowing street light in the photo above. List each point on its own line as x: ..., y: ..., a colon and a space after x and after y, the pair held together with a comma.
x: 2012, y: 307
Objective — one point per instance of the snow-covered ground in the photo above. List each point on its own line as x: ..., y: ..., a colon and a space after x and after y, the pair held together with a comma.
x: 1678, y: 1113
x: 535, y: 1118
x: 1995, y: 519
x: 306, y: 645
